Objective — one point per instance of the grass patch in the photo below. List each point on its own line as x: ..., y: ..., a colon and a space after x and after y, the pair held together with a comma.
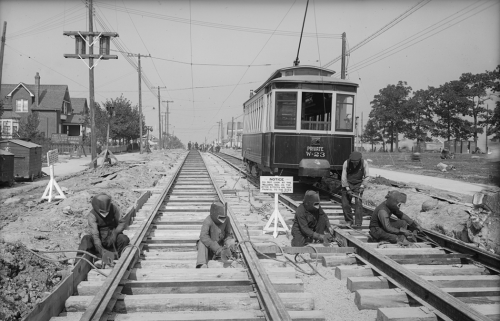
x: 468, y: 169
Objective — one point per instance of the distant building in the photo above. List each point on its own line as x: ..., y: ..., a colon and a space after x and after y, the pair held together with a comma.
x: 52, y: 102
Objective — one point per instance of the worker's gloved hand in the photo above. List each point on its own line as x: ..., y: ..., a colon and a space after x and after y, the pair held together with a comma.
x: 361, y: 189
x: 348, y: 189
x: 405, y: 232
x: 219, y: 251
x: 416, y: 226
x: 226, y: 254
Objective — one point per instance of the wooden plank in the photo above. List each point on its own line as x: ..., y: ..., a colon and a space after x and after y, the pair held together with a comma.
x: 271, y: 248
x: 343, y: 272
x: 422, y: 314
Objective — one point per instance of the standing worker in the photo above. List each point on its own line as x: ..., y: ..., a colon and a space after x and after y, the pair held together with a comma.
x: 395, y: 231
x: 105, y: 227
x: 355, y: 175
x: 311, y: 222
x: 189, y: 145
x: 215, y: 232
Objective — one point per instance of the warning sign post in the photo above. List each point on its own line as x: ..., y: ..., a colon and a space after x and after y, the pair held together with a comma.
x: 52, y: 158
x: 276, y: 185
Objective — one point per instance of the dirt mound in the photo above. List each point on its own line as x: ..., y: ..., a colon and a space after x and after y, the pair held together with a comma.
x: 25, y: 280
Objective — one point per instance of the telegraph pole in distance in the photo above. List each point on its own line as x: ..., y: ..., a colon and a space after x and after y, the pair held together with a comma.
x: 168, y: 112
x: 139, y: 72
x: 104, y: 42
x: 342, y: 68
x: 159, y: 116
x: 2, y: 50
x: 232, y: 131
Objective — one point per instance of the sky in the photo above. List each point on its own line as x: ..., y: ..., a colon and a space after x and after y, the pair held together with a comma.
x: 206, y: 56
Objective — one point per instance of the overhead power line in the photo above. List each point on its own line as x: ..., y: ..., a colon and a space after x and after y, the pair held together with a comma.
x: 377, y: 33
x: 214, y: 25
x: 419, y: 36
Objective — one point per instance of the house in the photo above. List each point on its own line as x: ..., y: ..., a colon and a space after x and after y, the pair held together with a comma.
x: 52, y: 102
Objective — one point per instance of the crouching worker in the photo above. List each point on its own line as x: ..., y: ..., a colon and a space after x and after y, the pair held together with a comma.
x: 311, y: 222
x: 105, y: 227
x: 383, y: 229
x: 216, y: 229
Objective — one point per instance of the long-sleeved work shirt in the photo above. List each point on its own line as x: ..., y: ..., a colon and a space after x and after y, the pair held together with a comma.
x: 213, y: 236
x: 381, y: 215
x: 305, y: 222
x: 101, y: 227
x: 366, y: 174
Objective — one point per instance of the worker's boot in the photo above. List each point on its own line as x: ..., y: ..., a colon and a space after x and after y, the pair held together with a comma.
x: 402, y: 241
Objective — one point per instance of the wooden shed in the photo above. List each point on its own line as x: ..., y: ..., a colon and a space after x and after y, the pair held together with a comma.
x: 6, y: 167
x: 27, y: 157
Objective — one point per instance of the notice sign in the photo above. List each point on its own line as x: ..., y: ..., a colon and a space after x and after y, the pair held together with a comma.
x: 52, y: 157
x: 276, y: 184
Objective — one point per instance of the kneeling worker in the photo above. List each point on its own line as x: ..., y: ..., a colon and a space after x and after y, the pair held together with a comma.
x: 216, y: 229
x: 311, y: 222
x: 105, y: 226
x: 382, y: 229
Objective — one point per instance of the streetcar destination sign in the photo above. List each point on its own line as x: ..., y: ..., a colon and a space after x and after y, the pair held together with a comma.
x: 276, y: 184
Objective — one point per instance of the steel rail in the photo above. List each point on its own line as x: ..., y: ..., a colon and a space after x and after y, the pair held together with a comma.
x: 274, y: 309
x: 101, y: 300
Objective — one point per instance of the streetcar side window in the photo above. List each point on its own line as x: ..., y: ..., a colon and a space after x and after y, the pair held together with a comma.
x: 316, y: 111
x: 286, y: 110
x: 344, y: 112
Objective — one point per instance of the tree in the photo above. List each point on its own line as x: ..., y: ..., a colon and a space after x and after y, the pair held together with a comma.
x: 174, y: 142
x: 100, y: 123
x: 388, y: 109
x: 418, y: 116
x: 493, y: 122
x: 124, y: 124
x: 371, y: 134
x: 475, y: 91
x: 28, y: 127
x: 448, y: 104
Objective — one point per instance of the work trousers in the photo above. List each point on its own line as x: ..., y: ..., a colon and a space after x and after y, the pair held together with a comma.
x: 87, y: 244
x: 347, y: 208
x: 204, y: 254
x: 380, y: 234
x: 299, y: 239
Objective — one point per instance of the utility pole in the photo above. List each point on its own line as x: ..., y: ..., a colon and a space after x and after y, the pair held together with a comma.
x: 168, y: 121
x: 104, y: 43
x: 2, y: 50
x: 232, y: 131
x: 159, y: 116
x: 139, y: 73
x: 342, y: 68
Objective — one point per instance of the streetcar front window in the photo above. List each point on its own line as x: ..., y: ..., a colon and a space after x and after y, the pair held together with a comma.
x: 344, y: 112
x: 316, y: 111
x: 286, y: 110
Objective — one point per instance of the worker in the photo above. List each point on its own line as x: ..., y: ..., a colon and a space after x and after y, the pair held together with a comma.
x: 189, y: 145
x: 105, y: 226
x: 311, y: 222
x: 355, y: 175
x: 395, y: 231
x: 215, y: 232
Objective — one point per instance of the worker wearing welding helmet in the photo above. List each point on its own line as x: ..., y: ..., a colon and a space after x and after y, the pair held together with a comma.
x: 311, y: 222
x: 105, y: 227
x: 383, y: 228
x: 215, y: 230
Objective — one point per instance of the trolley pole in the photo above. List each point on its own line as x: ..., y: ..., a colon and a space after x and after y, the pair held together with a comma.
x: 103, y: 54
x: 232, y: 131
x: 342, y: 70
x: 159, y: 116
x: 139, y: 76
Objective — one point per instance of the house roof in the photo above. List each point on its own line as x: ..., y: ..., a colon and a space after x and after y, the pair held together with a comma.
x: 9, y: 114
x: 74, y: 119
x: 78, y: 105
x: 51, y: 96
x: 22, y: 143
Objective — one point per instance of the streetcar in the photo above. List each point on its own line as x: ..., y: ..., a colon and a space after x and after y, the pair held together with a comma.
x: 299, y: 123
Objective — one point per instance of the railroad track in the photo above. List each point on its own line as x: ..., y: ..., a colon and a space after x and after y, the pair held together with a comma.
x: 156, y: 279
x: 439, y: 278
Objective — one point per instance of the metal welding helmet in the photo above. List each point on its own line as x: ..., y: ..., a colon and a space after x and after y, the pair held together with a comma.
x: 218, y: 213
x: 101, y: 203
x: 394, y: 200
x: 311, y: 201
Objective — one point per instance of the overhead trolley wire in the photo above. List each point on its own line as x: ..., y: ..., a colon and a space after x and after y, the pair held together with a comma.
x: 413, y: 40
x: 214, y: 25
x: 191, y: 56
x: 377, y: 33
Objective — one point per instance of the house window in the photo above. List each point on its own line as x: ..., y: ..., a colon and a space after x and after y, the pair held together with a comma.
x: 22, y: 105
x: 65, y: 108
x: 6, y: 127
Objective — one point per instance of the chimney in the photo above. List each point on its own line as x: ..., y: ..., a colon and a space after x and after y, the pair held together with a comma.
x: 251, y: 93
x: 37, y: 89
